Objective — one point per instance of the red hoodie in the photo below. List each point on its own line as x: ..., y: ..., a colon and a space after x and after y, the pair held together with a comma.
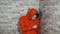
x: 26, y: 23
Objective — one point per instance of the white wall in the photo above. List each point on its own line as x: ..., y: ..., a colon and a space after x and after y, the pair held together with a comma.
x: 10, y: 11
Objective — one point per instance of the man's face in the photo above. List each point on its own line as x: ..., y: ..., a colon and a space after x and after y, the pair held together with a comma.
x: 34, y: 17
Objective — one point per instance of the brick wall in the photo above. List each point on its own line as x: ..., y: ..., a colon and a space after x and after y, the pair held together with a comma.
x: 51, y: 16
x: 10, y: 11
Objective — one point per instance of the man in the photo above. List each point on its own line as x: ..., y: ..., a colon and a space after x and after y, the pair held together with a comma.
x: 30, y: 24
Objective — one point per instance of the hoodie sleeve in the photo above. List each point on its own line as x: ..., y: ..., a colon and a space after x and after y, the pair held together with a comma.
x: 24, y: 27
x: 38, y: 30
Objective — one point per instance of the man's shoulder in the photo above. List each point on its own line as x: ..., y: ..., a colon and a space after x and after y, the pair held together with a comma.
x: 23, y: 17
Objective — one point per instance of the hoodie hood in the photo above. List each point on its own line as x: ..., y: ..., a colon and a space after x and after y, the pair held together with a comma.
x: 32, y: 12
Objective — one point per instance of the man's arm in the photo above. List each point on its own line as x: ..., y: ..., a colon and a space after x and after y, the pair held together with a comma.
x: 24, y: 27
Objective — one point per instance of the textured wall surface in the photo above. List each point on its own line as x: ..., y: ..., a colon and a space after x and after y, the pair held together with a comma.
x: 51, y: 16
x: 10, y: 11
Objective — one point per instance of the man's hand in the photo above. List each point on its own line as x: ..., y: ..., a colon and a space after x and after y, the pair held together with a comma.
x: 35, y: 26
